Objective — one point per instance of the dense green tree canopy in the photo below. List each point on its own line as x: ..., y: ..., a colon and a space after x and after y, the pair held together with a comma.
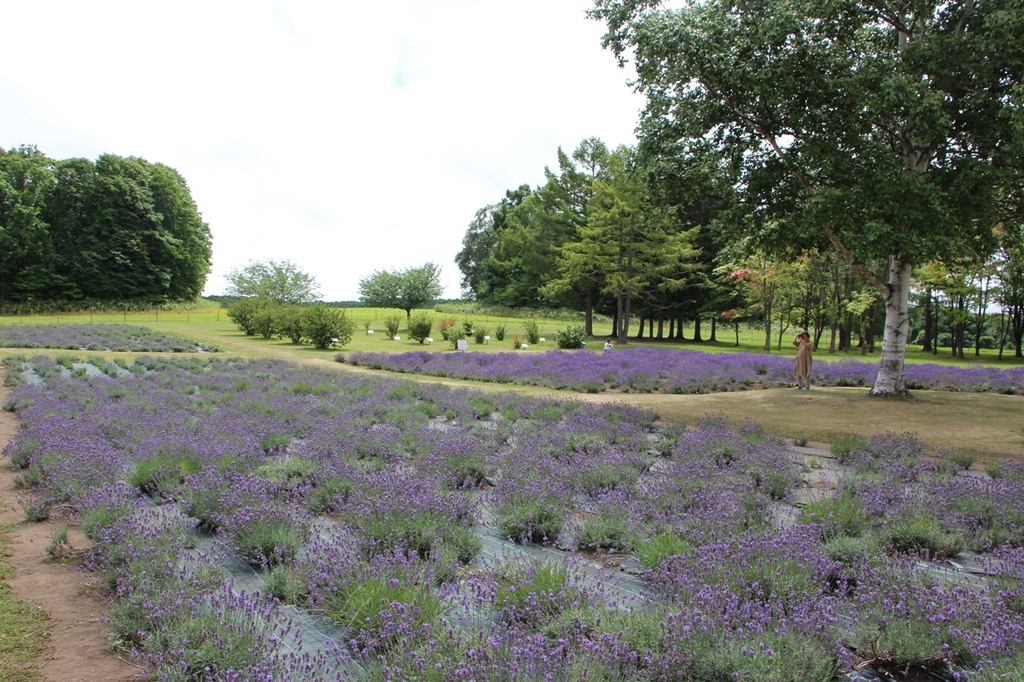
x: 482, y: 278
x: 631, y: 243
x: 478, y: 244
x: 117, y: 229
x: 876, y: 126
x: 280, y: 281
x: 403, y: 289
x: 537, y: 248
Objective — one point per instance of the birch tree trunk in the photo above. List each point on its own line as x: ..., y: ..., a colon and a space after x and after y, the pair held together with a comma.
x: 769, y: 297
x: 890, y: 380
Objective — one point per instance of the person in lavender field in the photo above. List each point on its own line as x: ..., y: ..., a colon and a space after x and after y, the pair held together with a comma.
x: 608, y: 344
x: 803, y: 360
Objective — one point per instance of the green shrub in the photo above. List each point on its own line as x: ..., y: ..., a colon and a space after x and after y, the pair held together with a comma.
x: 282, y: 582
x: 499, y: 332
x: 571, y: 337
x: 22, y: 453
x: 531, y: 331
x: 287, y: 472
x: 853, y: 555
x: 921, y: 534
x: 531, y: 520
x: 963, y: 460
x: 480, y: 334
x: 97, y: 520
x: 420, y: 326
x: 852, y: 552
x: 29, y: 477
x: 843, y: 447
x: 607, y: 533
x: 326, y: 327
x: 290, y: 322
x: 269, y: 541
x: 1009, y: 668
x: 265, y: 321
x: 58, y: 543
x: 363, y: 606
x: 466, y: 470
x: 652, y: 552
x: 329, y: 494
x: 774, y: 483
x: 427, y: 534
x: 768, y: 657
x: 454, y: 336
x: 839, y: 516
x: 165, y: 470
x: 37, y: 510
x: 12, y: 376
x: 903, y: 633
x: 606, y: 476
x: 532, y: 591
x: 209, y: 649
x: 274, y: 443
x: 393, y: 323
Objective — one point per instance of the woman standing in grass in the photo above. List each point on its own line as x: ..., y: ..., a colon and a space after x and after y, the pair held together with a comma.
x: 803, y: 360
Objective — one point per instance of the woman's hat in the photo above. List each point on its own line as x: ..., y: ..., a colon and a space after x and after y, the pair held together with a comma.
x: 803, y: 332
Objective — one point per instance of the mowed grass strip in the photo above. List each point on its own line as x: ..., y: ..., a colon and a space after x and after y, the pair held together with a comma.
x: 24, y: 628
x: 989, y: 425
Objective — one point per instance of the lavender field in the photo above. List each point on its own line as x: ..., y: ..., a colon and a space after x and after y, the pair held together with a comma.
x: 642, y: 369
x: 257, y: 520
x: 97, y: 337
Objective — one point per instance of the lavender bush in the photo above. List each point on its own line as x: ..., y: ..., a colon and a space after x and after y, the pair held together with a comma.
x: 387, y: 506
x: 98, y: 337
x: 642, y: 369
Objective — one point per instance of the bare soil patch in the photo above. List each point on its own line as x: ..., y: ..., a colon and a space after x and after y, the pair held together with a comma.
x: 78, y: 635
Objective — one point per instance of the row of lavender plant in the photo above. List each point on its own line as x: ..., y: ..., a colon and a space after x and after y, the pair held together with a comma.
x: 643, y: 369
x: 362, y: 498
x: 97, y: 337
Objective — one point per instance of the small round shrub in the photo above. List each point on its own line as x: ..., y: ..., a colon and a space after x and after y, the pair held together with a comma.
x: 571, y: 337
x: 326, y: 327
x: 420, y: 326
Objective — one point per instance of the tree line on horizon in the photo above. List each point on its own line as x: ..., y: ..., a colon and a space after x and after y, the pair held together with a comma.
x: 120, y: 229
x: 876, y: 148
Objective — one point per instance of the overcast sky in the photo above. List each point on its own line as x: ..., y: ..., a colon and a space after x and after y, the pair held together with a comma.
x: 344, y: 136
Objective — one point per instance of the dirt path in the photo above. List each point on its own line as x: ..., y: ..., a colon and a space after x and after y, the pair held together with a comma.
x: 78, y: 648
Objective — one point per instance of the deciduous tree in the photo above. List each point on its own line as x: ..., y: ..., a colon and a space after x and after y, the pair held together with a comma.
x: 117, y: 229
x: 403, y: 289
x: 877, y: 126
x: 280, y: 281
x: 479, y: 281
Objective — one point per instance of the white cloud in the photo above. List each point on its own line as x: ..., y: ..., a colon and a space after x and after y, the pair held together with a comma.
x: 346, y: 137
